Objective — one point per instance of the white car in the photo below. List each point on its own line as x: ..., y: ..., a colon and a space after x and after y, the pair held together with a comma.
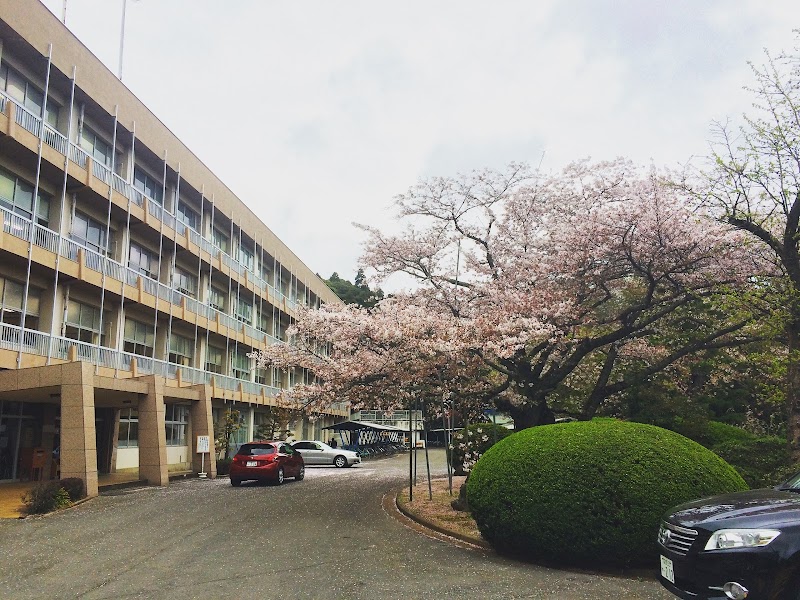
x: 319, y: 453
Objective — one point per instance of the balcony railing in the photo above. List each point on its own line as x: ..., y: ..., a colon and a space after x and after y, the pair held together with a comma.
x: 77, y: 155
x: 42, y: 344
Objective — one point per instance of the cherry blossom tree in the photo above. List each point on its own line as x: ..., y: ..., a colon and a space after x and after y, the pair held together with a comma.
x: 525, y: 284
x: 754, y: 181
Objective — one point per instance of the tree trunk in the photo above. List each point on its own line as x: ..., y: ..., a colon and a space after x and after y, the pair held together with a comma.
x: 531, y: 415
x: 793, y: 390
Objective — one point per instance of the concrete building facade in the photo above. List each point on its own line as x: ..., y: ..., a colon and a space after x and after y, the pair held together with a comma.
x: 133, y: 282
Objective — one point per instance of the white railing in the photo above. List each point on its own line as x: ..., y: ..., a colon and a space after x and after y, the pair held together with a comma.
x: 78, y: 155
x: 102, y: 172
x: 27, y: 119
x: 54, y: 139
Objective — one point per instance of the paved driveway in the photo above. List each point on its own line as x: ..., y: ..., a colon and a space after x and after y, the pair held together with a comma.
x: 325, y: 537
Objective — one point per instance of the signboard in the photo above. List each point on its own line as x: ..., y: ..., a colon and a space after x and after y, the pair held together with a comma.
x: 203, y: 444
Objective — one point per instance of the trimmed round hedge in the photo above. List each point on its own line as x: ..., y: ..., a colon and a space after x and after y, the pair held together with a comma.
x: 589, y: 493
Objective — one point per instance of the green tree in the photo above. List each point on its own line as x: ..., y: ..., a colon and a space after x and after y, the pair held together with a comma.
x: 754, y: 180
x: 230, y: 424
x: 358, y: 292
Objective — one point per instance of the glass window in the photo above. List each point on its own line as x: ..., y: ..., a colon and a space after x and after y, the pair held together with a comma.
x: 216, y: 299
x: 99, y: 149
x: 220, y: 239
x: 139, y: 338
x: 176, y: 422
x: 188, y: 216
x: 214, y: 359
x: 142, y: 261
x: 89, y: 232
x: 256, y: 450
x: 148, y: 185
x: 11, y: 294
x: 128, y: 428
x: 17, y: 196
x: 184, y: 282
x: 240, y: 365
x: 83, y: 323
x: 26, y: 94
x: 247, y: 258
x: 244, y: 310
x: 180, y: 350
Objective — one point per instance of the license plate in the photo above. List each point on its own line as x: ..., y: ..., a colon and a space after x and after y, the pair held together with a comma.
x: 252, y: 463
x: 667, y: 572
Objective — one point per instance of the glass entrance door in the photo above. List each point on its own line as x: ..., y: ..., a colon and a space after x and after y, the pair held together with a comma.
x: 10, y: 423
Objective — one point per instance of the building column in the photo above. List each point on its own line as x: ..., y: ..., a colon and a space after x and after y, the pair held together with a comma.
x: 152, y: 435
x: 203, y: 424
x: 78, y: 438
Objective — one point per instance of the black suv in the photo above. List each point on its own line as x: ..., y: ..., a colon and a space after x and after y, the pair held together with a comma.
x: 735, y: 546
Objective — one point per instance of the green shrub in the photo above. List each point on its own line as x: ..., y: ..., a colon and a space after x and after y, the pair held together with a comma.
x: 224, y: 466
x: 589, y: 493
x: 75, y: 487
x: 762, y: 462
x: 467, y: 445
x: 45, y: 497
x: 715, y: 433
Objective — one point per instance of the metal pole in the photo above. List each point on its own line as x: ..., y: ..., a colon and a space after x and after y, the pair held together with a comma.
x: 63, y: 200
x: 447, y: 452
x: 35, y: 204
x: 427, y: 459
x: 410, y: 457
x: 122, y: 37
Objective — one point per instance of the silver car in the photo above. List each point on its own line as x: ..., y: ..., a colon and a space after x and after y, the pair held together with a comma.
x: 319, y: 453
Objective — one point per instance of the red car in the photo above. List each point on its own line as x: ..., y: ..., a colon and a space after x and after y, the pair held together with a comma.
x: 266, y: 461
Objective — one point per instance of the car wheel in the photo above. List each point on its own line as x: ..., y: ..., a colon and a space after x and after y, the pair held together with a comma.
x: 236, y: 482
x: 340, y: 461
x: 301, y: 473
x: 279, y: 479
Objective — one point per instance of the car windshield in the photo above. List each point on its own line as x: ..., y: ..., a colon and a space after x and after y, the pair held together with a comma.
x: 256, y: 449
x: 792, y: 485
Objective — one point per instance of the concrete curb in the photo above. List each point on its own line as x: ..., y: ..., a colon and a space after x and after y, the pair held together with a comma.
x: 428, y: 524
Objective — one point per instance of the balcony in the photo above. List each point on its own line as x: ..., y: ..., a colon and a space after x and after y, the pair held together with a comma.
x: 38, y: 343
x: 32, y: 123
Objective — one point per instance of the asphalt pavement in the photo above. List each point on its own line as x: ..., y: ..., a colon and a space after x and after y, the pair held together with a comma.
x: 329, y: 536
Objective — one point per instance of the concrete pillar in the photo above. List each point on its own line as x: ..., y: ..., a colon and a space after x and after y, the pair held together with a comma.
x: 202, y: 423
x: 152, y: 435
x: 78, y: 438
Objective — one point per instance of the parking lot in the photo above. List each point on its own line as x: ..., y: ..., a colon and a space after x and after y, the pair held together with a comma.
x: 325, y: 537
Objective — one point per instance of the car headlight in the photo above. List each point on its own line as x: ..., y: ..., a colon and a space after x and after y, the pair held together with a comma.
x: 741, y: 538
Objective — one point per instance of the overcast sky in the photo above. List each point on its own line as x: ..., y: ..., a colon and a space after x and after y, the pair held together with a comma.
x: 349, y: 103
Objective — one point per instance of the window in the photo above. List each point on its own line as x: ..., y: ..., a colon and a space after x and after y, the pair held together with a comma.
x: 244, y: 311
x: 128, y: 428
x: 216, y: 299
x: 220, y: 239
x: 142, y: 261
x: 96, y: 147
x: 180, y: 350
x: 188, y: 216
x: 148, y: 186
x: 214, y: 359
x: 265, y: 321
x: 24, y: 92
x: 11, y: 294
x: 263, y: 376
x: 139, y: 338
x: 83, y: 323
x: 240, y: 365
x: 90, y: 233
x: 247, y: 258
x: 184, y: 282
x: 17, y: 196
x: 176, y: 422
